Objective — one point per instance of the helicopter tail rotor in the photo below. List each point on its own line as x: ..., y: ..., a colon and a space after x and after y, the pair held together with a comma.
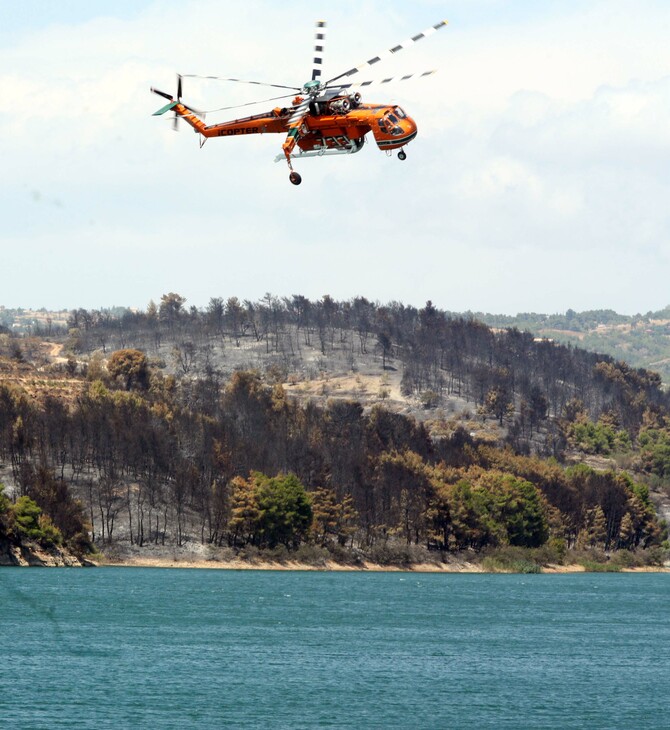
x: 162, y: 93
x: 175, y: 120
x: 173, y: 103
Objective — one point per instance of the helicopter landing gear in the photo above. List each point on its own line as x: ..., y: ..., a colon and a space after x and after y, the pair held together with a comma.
x: 402, y: 155
x: 294, y: 177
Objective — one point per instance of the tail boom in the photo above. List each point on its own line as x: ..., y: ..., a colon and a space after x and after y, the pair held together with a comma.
x: 275, y: 121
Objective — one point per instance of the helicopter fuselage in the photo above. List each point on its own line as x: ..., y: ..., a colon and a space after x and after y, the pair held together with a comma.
x: 322, y: 128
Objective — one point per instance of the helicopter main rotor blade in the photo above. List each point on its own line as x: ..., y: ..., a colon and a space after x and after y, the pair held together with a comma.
x: 248, y: 103
x: 390, y: 51
x: 319, y: 37
x: 294, y: 124
x: 240, y: 81
x: 385, y: 81
x: 299, y: 113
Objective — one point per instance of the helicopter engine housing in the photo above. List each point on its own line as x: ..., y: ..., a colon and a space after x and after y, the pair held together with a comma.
x: 340, y: 105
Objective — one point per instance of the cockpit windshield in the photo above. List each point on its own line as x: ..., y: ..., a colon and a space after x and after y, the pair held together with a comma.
x: 389, y: 124
x: 400, y: 113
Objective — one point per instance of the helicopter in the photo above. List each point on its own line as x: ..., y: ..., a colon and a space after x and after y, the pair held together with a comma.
x: 323, y: 118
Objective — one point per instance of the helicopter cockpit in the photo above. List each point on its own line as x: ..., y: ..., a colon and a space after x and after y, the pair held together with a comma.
x: 388, y: 122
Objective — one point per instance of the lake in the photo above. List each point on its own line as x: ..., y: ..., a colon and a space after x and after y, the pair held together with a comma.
x: 176, y: 648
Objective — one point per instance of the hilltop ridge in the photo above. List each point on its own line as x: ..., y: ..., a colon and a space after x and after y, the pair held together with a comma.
x: 641, y: 340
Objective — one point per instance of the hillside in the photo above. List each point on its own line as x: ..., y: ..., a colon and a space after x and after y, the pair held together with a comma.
x: 641, y: 340
x: 382, y: 426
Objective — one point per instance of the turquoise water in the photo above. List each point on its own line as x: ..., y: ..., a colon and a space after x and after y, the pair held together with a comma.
x: 145, y: 648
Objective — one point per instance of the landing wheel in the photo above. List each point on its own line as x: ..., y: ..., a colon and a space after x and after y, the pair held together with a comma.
x: 402, y: 155
x: 295, y: 178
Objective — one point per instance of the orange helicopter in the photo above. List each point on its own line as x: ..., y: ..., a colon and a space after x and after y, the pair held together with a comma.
x: 324, y: 118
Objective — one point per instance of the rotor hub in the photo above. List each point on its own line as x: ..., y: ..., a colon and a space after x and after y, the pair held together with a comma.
x: 312, y: 88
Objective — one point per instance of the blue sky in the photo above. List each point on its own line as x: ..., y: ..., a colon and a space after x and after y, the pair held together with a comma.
x: 539, y: 179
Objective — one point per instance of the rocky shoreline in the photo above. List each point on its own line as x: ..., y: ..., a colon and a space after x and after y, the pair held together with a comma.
x: 30, y: 554
x: 202, y: 557
x: 292, y: 565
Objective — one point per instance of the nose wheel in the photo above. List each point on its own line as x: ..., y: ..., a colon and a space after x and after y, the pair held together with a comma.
x: 294, y: 177
x: 402, y: 155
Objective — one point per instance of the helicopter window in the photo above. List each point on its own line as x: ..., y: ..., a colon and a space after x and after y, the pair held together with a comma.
x: 393, y: 119
x: 399, y: 112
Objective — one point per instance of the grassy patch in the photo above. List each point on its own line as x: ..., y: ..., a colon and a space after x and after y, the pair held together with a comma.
x: 505, y: 565
x: 401, y: 554
x: 512, y: 560
x: 591, y: 566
